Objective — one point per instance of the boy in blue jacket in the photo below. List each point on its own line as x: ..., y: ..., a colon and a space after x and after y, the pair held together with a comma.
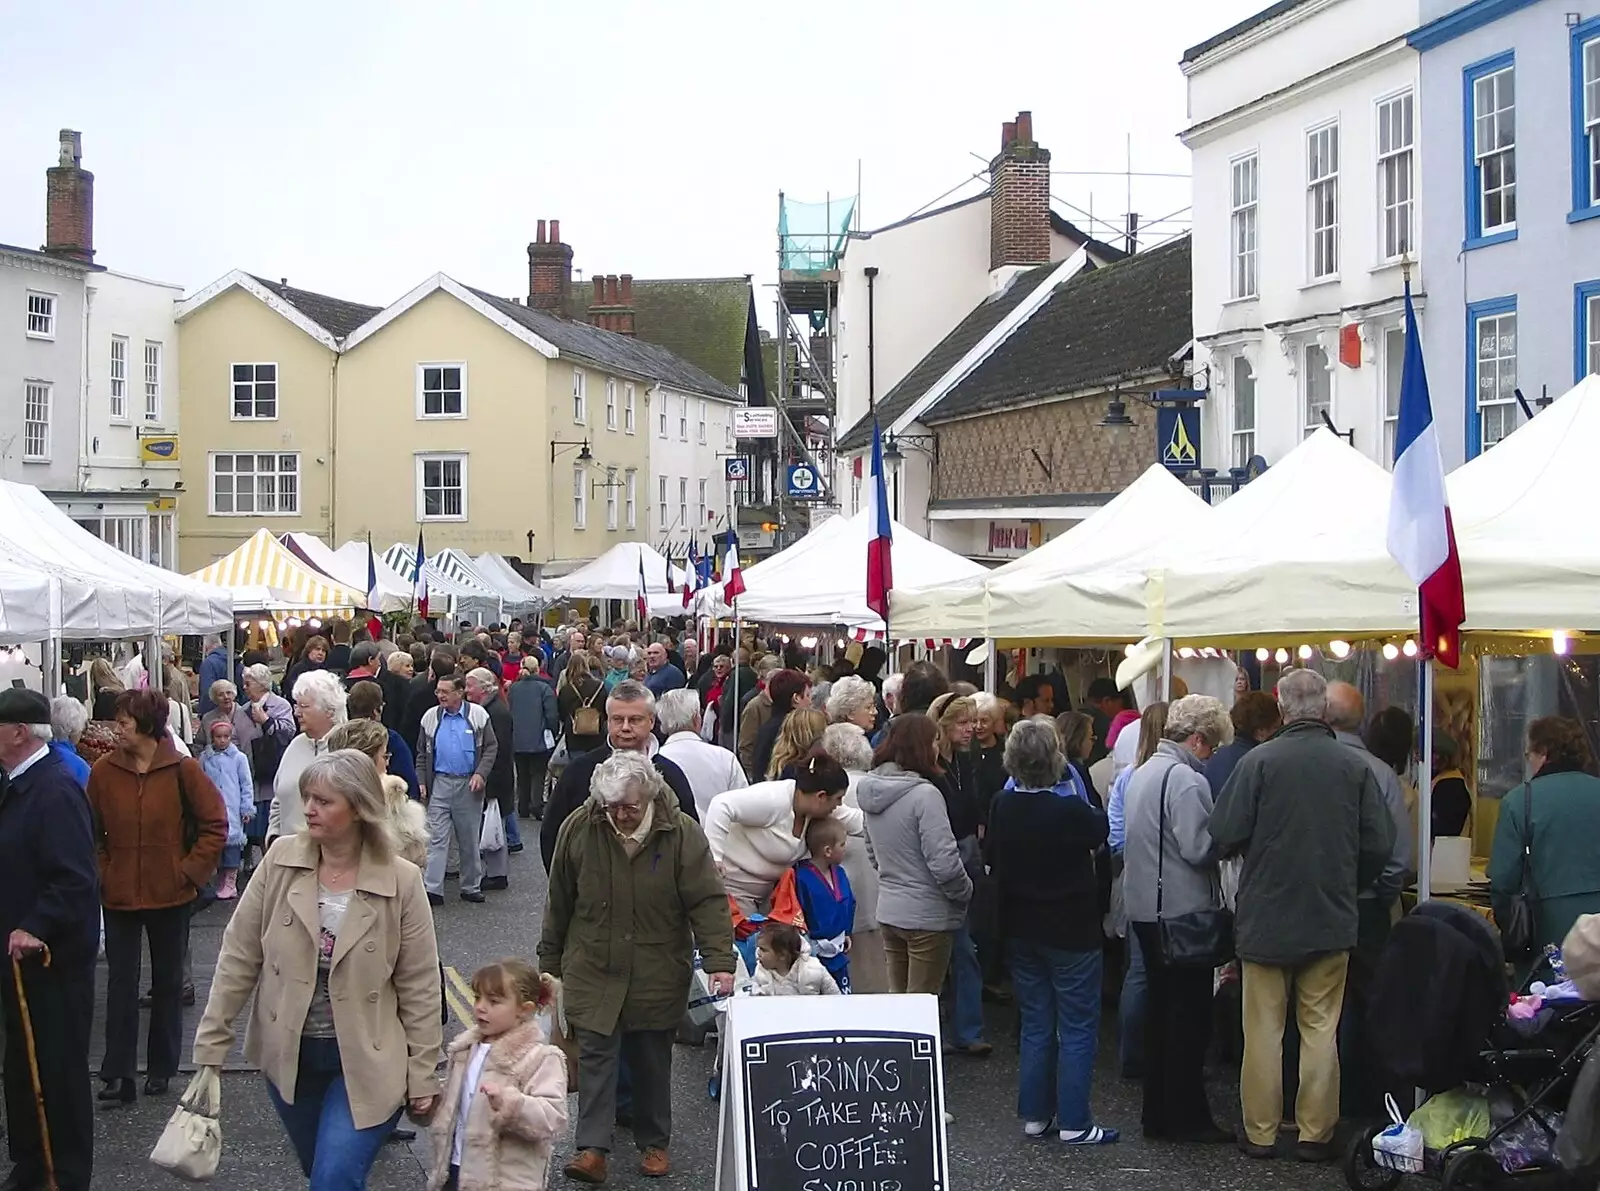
x: 826, y: 899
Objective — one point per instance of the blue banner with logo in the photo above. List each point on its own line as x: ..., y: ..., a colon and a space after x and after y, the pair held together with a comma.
x: 1178, y: 437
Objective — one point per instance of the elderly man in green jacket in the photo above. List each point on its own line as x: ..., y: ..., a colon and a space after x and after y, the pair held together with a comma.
x: 633, y: 890
x: 1309, y: 818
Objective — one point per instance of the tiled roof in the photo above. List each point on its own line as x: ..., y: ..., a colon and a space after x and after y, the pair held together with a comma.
x: 1239, y: 30
x: 701, y: 319
x: 625, y: 353
x: 334, y: 315
x: 945, y: 354
x: 1102, y: 326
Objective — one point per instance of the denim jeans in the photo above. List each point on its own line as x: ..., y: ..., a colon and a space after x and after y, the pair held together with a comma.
x: 513, y: 832
x: 1130, y: 1013
x: 333, y: 1153
x: 966, y: 989
x: 1058, y: 994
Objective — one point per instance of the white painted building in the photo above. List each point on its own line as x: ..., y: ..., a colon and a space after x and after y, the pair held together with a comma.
x: 690, y: 435
x: 1305, y: 133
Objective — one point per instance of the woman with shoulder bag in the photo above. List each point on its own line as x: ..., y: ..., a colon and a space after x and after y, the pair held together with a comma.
x: 581, y: 700
x: 334, y: 941
x: 1171, y: 876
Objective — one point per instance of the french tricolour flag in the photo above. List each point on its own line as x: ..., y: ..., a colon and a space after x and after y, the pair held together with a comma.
x: 641, y: 603
x: 880, y: 570
x: 1421, y: 537
x: 732, y: 580
x: 691, y: 576
x: 419, y: 579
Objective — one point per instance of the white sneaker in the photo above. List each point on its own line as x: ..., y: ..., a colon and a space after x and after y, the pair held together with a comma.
x: 1037, y: 1128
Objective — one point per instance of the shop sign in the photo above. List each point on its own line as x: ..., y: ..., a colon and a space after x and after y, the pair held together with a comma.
x: 1178, y: 437
x: 1013, y: 539
x: 158, y: 448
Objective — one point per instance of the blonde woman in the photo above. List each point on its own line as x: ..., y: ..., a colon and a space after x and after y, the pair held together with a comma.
x: 407, y: 819
x: 105, y: 684
x: 955, y: 717
x: 334, y: 911
x: 802, y: 728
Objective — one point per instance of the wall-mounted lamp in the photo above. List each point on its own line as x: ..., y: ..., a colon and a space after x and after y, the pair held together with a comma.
x: 1348, y: 435
x: 560, y: 446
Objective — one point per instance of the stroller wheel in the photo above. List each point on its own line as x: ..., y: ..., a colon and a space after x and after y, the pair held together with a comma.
x: 1361, y: 1172
x: 1470, y: 1167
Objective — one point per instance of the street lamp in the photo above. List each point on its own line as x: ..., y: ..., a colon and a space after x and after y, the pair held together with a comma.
x: 584, y: 454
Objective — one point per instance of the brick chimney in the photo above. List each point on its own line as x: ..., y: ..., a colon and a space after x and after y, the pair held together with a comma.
x: 1019, y: 204
x: 612, y: 307
x: 549, y: 270
x: 69, y: 203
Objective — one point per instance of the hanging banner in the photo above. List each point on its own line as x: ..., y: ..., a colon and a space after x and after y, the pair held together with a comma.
x: 1178, y: 437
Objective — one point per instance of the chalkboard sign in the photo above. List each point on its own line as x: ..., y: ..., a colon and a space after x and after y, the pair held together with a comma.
x: 853, y: 1103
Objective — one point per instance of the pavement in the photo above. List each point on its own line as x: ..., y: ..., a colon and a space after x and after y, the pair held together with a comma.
x: 985, y: 1141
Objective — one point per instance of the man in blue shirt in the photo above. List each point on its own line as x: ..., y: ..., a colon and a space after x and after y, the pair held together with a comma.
x: 663, y: 675
x: 456, y: 748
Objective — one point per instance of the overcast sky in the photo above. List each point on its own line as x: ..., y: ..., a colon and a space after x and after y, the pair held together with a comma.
x: 357, y: 147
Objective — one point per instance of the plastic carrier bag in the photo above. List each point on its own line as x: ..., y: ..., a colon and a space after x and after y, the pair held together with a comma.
x: 1452, y: 1116
x: 1399, y: 1147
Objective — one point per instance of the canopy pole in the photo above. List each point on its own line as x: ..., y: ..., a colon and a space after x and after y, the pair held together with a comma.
x: 1425, y: 786
x: 991, y: 669
x: 738, y: 642
x: 1166, y: 669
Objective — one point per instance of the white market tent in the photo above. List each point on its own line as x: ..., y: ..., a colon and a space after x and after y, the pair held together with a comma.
x: 347, y: 566
x: 822, y: 578
x: 463, y: 595
x: 504, y: 576
x: 102, y: 592
x: 615, y: 576
x: 263, y: 575
x: 512, y: 602
x: 1530, y: 551
x: 1087, y: 584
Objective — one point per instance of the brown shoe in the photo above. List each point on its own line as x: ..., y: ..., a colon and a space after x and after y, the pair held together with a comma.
x: 655, y: 1163
x: 588, y: 1166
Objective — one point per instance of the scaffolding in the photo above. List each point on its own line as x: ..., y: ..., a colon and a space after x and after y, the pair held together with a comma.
x: 811, y: 241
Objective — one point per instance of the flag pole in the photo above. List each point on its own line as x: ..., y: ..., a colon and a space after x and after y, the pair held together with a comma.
x: 1425, y: 787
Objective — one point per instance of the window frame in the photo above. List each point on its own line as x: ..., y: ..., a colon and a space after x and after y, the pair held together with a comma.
x: 51, y: 317
x: 422, y: 392
x: 1328, y: 131
x: 701, y: 411
x: 630, y: 407
x: 661, y: 492
x: 580, y: 497
x: 1476, y: 312
x: 420, y: 487
x: 683, y: 417
x: 704, y: 492
x: 233, y: 396
x: 1389, y: 424
x: 1585, y: 329
x: 1237, y: 211
x: 1235, y: 432
x: 278, y: 472
x: 611, y: 499
x: 1308, y: 426
x: 683, y: 502
x: 117, y: 400
x: 1585, y: 121
x: 631, y: 482
x: 611, y: 403
x: 1477, y: 235
x: 30, y: 386
x: 580, y: 397
x: 1383, y: 158
x: 153, y: 388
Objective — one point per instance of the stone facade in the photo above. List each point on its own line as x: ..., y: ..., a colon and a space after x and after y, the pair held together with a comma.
x: 991, y: 456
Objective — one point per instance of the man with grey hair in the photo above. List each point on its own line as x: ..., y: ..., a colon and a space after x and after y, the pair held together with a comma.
x: 68, y: 719
x: 1309, y: 819
x: 663, y: 676
x: 456, y: 752
x: 483, y: 688
x: 709, y: 768
x: 1359, y: 1088
x: 214, y: 667
x: 630, y: 725
x: 631, y: 884
x: 49, y: 899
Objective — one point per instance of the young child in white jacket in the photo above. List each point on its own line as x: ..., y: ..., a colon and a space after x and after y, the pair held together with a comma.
x: 505, y: 1099
x: 783, y: 969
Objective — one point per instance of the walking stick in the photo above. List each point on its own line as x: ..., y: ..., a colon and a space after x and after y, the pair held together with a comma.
x: 33, y: 1071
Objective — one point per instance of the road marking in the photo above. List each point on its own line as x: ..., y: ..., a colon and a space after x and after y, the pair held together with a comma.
x: 462, y: 987
x: 458, y: 995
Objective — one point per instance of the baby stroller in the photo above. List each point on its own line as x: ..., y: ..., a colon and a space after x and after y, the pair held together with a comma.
x: 1438, y: 1019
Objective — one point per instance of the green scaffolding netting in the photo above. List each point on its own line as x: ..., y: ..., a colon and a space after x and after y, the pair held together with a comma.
x: 812, y: 234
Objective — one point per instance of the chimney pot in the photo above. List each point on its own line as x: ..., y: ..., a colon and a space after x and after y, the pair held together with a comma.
x: 541, y: 231
x: 1008, y: 135
x: 1024, y: 128
x: 555, y: 231
x: 627, y: 289
x: 549, y: 270
x: 69, y: 202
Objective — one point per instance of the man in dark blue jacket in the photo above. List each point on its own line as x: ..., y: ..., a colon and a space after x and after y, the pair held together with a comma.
x: 50, y: 919
x: 214, y: 668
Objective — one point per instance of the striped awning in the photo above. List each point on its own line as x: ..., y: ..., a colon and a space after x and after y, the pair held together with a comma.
x: 263, y: 561
x: 930, y: 643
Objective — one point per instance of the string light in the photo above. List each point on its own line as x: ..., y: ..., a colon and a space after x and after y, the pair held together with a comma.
x: 1305, y: 653
x: 1339, y: 649
x: 1409, y: 648
x: 1390, y: 651
x: 1263, y: 654
x: 1281, y: 656
x: 1560, y: 642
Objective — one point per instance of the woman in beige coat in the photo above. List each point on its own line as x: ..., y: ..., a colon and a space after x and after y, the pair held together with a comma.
x: 335, y: 939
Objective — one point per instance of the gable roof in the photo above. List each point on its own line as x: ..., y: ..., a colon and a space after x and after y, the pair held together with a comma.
x: 1239, y: 30
x: 609, y: 349
x: 325, y: 319
x: 947, y: 353
x: 336, y: 315
x: 1102, y: 326
x: 702, y: 320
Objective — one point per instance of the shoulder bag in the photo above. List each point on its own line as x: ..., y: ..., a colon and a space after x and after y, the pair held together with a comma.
x: 1519, y: 932
x: 1200, y: 938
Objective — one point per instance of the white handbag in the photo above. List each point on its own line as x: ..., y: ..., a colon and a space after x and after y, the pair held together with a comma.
x: 191, y: 1144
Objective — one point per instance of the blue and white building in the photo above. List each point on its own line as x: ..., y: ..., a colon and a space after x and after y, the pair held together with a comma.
x: 1509, y: 91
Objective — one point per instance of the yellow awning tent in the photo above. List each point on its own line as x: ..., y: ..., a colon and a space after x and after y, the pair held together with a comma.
x: 264, y: 575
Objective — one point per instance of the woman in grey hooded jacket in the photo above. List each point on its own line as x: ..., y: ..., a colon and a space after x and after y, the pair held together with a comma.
x: 923, y: 887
